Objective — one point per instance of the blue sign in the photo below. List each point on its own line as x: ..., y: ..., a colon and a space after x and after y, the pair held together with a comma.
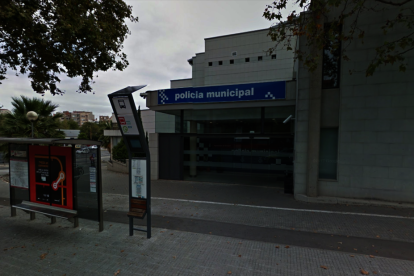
x: 227, y: 93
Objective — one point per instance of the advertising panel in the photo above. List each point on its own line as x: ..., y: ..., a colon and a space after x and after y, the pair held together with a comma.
x: 139, y: 178
x: 92, y: 179
x: 19, y: 174
x: 51, y: 176
x: 226, y: 93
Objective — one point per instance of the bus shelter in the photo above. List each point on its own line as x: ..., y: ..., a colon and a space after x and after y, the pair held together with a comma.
x: 59, y: 178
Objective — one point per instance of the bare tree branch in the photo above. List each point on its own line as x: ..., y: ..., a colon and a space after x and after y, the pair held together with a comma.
x: 393, y: 3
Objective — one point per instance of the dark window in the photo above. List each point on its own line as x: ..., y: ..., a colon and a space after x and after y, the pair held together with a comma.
x: 247, y: 59
x: 273, y: 56
x: 259, y: 58
x: 331, y: 57
x: 229, y: 120
x: 220, y: 62
x: 328, y: 153
x: 210, y: 64
x: 232, y: 61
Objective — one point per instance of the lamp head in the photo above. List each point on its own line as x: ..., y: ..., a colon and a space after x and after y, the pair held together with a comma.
x: 32, y: 116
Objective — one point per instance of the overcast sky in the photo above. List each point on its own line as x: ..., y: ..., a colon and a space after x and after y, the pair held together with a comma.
x: 167, y: 34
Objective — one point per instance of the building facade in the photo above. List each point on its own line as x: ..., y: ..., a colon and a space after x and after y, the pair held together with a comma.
x: 355, y: 139
x: 343, y: 136
x: 104, y: 119
x: 225, y: 124
x: 82, y: 117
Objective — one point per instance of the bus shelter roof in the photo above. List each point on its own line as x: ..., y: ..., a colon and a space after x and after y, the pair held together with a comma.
x: 48, y: 141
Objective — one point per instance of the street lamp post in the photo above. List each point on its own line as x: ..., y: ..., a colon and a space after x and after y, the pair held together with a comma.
x: 32, y: 116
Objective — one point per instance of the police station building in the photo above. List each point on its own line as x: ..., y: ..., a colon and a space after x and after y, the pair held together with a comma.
x: 248, y: 117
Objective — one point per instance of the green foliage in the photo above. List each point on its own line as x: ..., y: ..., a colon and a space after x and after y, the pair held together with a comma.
x: 106, y: 140
x: 15, y: 124
x: 90, y: 130
x: 120, y: 151
x: 52, y: 37
x: 306, y: 21
x: 69, y: 124
x: 83, y: 136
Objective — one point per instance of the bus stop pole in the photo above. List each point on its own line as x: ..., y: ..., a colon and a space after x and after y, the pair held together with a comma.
x: 99, y: 186
x: 13, y: 210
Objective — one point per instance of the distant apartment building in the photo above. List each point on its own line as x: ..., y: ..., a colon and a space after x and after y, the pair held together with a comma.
x: 82, y: 117
x: 4, y: 111
x: 104, y: 118
x: 67, y: 115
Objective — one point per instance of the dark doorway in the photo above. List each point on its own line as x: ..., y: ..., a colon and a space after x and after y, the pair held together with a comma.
x: 170, y: 157
x: 250, y: 160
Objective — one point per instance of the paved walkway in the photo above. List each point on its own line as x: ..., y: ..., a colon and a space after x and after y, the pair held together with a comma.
x: 38, y: 248
x: 212, y: 229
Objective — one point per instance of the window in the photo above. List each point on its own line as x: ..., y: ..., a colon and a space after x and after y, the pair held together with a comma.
x: 259, y: 58
x: 232, y: 61
x: 247, y: 59
x: 229, y: 120
x: 328, y: 153
x: 234, y: 53
x: 210, y: 64
x: 331, y: 57
x: 273, y: 56
x: 220, y: 62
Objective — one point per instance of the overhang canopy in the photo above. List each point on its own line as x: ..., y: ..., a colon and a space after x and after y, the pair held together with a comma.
x: 49, y: 141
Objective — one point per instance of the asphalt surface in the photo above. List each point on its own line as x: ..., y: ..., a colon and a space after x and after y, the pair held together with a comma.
x: 116, y: 183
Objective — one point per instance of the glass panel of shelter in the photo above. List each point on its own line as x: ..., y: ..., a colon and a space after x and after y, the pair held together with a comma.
x: 85, y: 174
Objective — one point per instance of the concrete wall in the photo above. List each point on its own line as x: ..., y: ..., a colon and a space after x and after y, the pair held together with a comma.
x: 376, y: 122
x: 117, y: 166
x: 376, y: 137
x: 153, y: 145
x: 198, y: 70
x: 181, y: 83
x: 148, y: 120
x: 247, y: 45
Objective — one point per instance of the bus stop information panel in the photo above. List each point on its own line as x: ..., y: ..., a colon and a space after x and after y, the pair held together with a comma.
x: 133, y: 134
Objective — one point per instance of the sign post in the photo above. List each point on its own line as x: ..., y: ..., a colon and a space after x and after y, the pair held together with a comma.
x: 133, y: 134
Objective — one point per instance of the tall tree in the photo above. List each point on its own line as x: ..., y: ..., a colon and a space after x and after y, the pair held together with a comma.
x: 16, y: 124
x: 305, y: 20
x: 89, y: 131
x: 69, y: 124
x: 106, y: 140
x: 46, y: 38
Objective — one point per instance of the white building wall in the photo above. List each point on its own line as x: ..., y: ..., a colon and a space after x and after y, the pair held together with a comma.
x: 198, y: 70
x: 247, y: 45
x: 181, y: 83
x: 148, y: 120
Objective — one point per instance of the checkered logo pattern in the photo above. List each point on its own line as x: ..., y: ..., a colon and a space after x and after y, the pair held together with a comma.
x: 270, y: 95
x: 162, y: 96
x: 203, y: 154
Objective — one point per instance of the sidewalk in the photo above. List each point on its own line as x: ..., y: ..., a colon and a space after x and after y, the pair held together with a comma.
x: 38, y: 248
x: 202, y: 228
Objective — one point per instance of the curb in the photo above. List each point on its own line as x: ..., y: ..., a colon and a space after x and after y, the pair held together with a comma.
x: 353, y: 201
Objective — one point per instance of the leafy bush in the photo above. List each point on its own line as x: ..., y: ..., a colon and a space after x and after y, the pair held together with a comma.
x: 120, y: 151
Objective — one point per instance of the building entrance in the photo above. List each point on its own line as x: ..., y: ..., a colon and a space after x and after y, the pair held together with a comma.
x: 251, y: 160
